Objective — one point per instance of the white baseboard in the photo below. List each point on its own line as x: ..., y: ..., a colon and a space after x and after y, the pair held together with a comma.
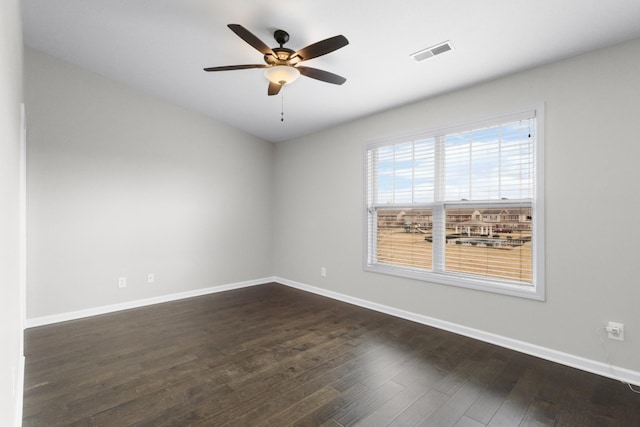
x: 593, y: 366
x: 63, y: 317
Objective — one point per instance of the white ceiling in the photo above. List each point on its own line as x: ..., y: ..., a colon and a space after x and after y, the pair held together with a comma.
x: 161, y: 46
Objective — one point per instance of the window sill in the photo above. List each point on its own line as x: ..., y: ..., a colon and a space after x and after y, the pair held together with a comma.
x: 535, y: 292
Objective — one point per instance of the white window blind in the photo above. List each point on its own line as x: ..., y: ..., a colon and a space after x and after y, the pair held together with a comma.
x: 458, y: 206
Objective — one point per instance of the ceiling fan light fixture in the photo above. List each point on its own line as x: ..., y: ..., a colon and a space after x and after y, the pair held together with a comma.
x: 281, y: 73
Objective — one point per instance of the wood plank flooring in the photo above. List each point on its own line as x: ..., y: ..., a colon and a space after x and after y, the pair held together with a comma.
x: 274, y: 356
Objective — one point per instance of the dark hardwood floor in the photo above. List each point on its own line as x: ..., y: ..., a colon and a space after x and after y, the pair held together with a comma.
x: 275, y: 356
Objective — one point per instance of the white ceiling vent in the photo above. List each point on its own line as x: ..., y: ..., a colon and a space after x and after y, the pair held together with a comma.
x: 432, y: 51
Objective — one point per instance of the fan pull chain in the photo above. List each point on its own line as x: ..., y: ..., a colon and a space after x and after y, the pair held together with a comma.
x: 282, y: 109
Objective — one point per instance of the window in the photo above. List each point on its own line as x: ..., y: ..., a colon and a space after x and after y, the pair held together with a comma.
x: 460, y: 206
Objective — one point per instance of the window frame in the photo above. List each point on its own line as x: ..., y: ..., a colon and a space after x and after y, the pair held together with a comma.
x: 536, y: 290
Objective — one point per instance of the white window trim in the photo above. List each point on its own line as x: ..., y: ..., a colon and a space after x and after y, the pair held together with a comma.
x: 537, y: 290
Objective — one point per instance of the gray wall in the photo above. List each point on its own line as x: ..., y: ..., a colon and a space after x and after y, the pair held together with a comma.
x: 592, y: 199
x: 124, y: 184
x: 10, y: 315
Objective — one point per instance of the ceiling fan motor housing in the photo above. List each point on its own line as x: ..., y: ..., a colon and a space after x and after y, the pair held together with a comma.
x: 283, y: 56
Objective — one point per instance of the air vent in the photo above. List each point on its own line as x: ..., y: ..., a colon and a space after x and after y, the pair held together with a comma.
x: 432, y: 51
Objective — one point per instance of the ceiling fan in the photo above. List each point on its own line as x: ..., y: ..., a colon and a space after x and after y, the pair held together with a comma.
x: 281, y: 64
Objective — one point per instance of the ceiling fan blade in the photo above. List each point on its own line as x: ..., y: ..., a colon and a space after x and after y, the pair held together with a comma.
x: 235, y: 67
x: 248, y: 37
x: 274, y: 88
x: 322, y: 48
x: 322, y: 75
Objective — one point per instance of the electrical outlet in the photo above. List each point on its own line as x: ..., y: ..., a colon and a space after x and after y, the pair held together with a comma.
x: 615, y: 331
x: 150, y: 278
x: 122, y: 282
x: 323, y: 271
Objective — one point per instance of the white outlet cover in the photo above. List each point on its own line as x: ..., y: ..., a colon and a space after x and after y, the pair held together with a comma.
x: 620, y: 335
